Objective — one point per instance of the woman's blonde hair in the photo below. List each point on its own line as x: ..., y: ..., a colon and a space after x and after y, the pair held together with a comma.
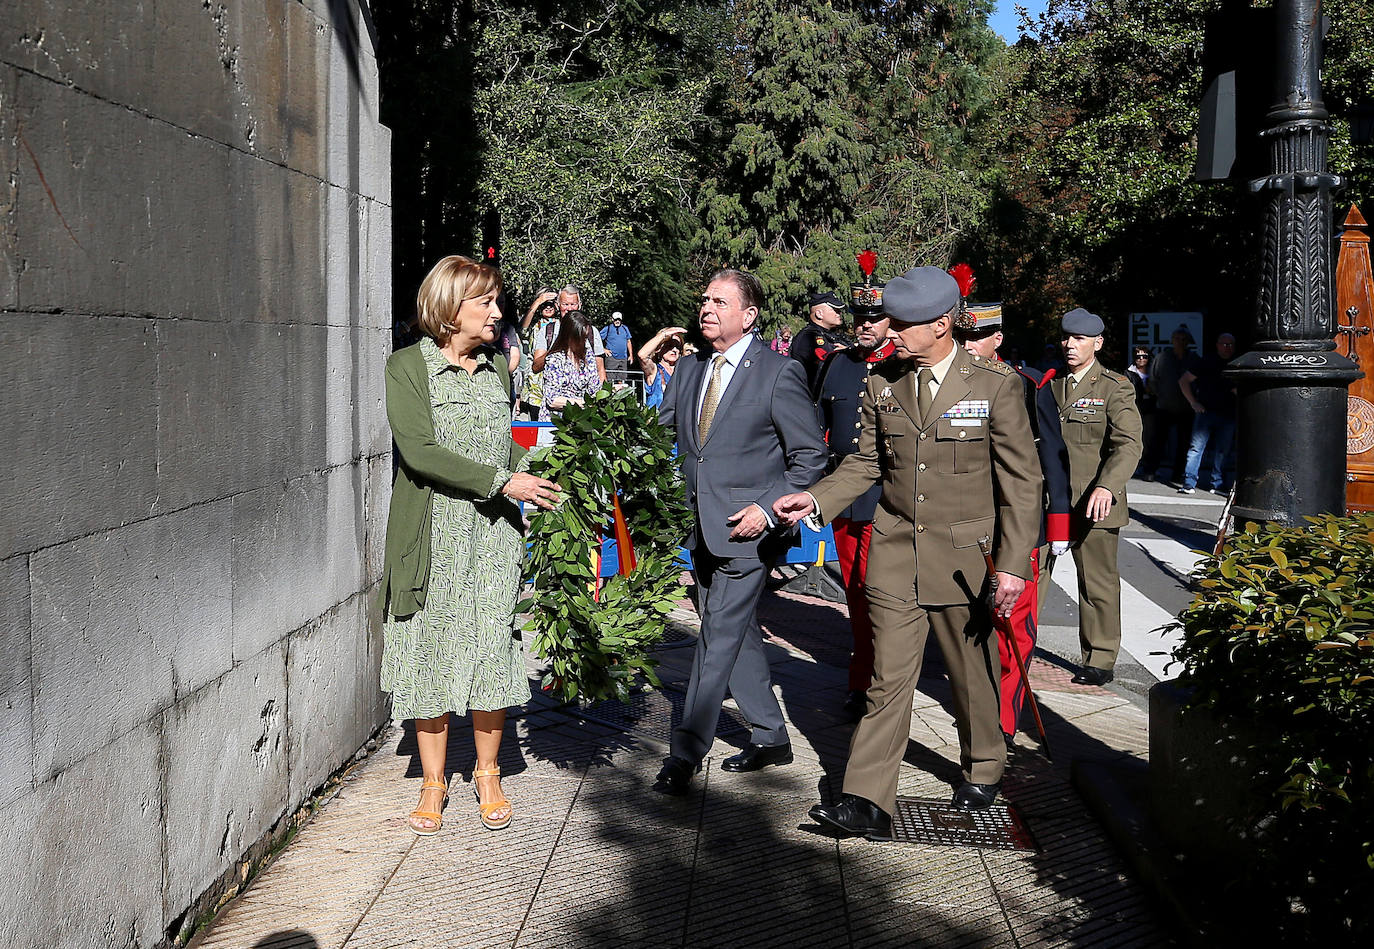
x: 454, y: 279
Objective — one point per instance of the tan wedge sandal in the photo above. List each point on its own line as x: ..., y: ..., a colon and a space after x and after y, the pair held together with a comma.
x: 435, y: 816
x: 485, y: 810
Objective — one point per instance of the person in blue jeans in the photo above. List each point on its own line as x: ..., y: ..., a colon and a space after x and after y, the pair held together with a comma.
x: 1213, y: 400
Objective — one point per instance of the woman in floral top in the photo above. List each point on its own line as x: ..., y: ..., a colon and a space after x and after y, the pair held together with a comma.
x: 569, y: 370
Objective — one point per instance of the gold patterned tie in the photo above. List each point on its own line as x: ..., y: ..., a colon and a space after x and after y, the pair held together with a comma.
x: 924, y: 397
x: 708, y: 404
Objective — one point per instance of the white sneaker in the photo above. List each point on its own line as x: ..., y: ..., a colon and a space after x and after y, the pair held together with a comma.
x: 1185, y: 490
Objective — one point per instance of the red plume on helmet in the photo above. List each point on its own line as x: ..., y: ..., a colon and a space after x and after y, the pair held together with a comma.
x: 963, y: 275
x: 867, y: 261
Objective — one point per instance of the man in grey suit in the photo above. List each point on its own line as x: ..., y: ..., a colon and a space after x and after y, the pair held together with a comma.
x: 746, y: 435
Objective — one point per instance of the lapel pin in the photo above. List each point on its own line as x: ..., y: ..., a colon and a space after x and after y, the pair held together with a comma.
x: 887, y: 392
x: 746, y: 364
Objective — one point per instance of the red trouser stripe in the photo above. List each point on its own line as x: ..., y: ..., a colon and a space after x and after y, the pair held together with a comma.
x: 1024, y: 625
x: 851, y: 548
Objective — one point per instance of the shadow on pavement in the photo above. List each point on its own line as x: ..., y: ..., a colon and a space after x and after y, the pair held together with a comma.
x: 287, y: 939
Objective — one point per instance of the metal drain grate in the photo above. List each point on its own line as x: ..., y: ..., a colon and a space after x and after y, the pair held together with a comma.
x: 939, y: 822
x: 653, y: 713
x: 675, y: 635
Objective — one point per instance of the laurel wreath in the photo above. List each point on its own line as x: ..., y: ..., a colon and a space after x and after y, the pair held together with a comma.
x: 596, y: 642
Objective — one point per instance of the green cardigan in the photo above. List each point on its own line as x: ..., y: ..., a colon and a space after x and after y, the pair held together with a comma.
x: 424, y: 463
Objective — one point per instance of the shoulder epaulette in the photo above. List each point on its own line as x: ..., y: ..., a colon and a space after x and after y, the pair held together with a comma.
x: 992, y: 365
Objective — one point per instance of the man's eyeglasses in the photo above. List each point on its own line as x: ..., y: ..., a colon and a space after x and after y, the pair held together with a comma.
x: 1142, y: 355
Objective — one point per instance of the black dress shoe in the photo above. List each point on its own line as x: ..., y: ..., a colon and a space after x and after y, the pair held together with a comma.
x: 754, y: 757
x: 854, y: 816
x: 675, y: 776
x: 975, y: 797
x: 856, y: 705
x: 1010, y: 741
x: 1091, y: 675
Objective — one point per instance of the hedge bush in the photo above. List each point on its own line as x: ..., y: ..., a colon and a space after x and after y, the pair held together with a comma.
x: 1279, y: 646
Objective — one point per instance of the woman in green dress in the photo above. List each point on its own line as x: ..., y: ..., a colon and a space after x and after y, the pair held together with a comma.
x: 454, y: 536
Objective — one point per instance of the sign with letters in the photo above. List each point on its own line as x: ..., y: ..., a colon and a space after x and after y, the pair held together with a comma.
x: 1152, y: 330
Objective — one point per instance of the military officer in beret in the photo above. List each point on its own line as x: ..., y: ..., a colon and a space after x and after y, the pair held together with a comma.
x: 840, y: 388
x: 982, y: 335
x: 945, y: 434
x: 1101, y: 426
x: 820, y: 337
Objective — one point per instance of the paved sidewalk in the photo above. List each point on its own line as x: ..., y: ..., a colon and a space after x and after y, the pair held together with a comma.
x: 596, y: 858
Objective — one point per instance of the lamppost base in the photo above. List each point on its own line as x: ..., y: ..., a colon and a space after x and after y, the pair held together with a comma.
x: 1290, y: 434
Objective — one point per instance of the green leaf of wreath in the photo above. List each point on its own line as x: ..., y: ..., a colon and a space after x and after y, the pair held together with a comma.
x: 595, y: 646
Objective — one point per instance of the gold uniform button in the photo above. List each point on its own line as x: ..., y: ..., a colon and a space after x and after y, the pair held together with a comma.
x: 963, y: 434
x: 921, y: 466
x: 920, y: 528
x: 923, y: 436
x: 858, y: 424
x: 920, y: 497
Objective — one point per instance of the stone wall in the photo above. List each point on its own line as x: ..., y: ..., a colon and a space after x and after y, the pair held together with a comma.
x: 194, y: 292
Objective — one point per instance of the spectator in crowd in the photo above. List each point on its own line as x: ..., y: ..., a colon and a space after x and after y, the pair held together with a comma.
x: 1173, y: 415
x: 451, y: 571
x: 539, y: 329
x: 782, y: 341
x: 569, y: 370
x: 569, y: 299
x: 1139, y: 374
x: 820, y: 337
x: 657, y: 359
x: 616, y: 338
x: 1213, y: 401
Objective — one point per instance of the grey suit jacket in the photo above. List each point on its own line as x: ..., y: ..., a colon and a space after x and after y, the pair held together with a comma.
x: 764, y: 443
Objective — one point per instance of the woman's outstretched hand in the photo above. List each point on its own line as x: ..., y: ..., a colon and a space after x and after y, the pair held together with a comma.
x: 527, y: 487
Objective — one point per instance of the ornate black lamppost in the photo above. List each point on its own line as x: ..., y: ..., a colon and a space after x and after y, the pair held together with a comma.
x: 1292, y: 385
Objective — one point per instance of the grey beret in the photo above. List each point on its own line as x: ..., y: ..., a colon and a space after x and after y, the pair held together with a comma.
x: 1079, y: 322
x: 921, y: 295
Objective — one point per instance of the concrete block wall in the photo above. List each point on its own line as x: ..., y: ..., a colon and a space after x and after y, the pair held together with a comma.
x: 194, y: 281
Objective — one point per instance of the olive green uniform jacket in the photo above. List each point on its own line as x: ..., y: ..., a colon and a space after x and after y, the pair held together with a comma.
x: 422, y: 464
x: 1101, y: 427
x: 968, y: 471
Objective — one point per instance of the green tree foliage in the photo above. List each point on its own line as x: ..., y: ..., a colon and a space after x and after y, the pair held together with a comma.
x: 926, y: 89
x: 1096, y: 119
x: 575, y: 120
x: 844, y: 127
x: 782, y: 198
x: 1347, y: 83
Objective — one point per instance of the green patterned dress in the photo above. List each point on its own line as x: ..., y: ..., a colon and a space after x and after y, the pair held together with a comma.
x: 461, y: 651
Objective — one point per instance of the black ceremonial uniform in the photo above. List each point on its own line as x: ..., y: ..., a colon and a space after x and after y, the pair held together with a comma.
x: 840, y: 389
x: 839, y: 397
x: 1054, y: 457
x: 810, y: 346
